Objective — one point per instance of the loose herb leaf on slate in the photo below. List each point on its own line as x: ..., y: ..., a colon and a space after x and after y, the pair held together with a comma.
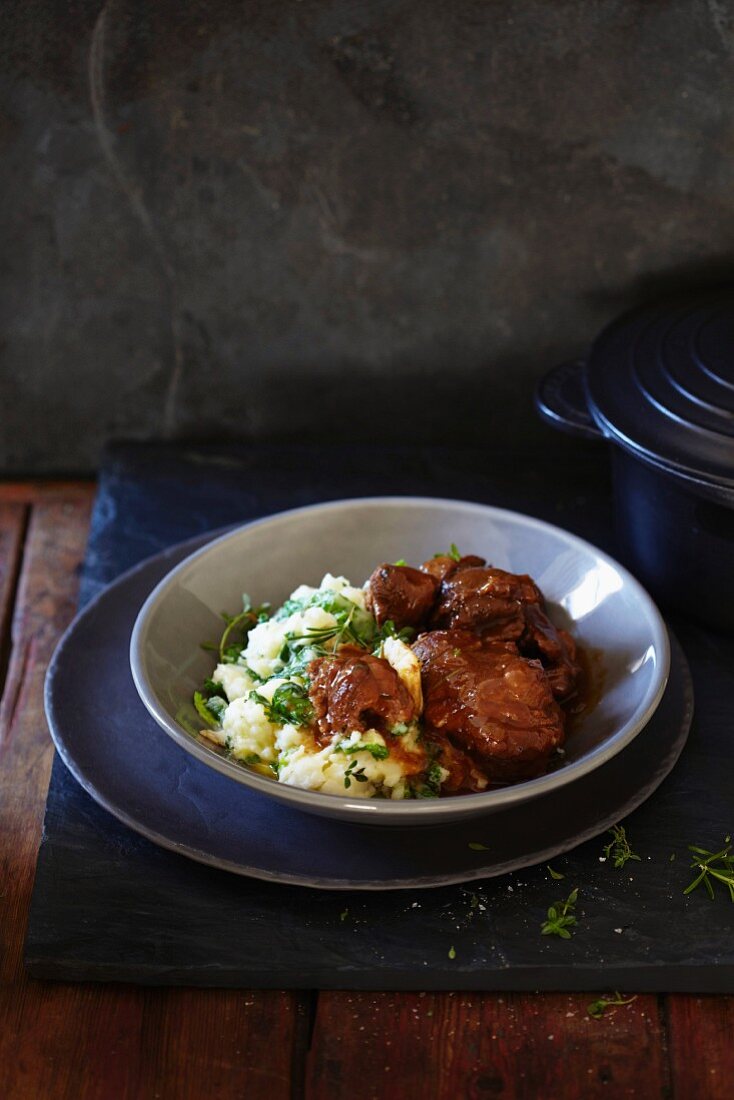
x: 718, y: 866
x: 473, y: 905
x: 618, y: 849
x: 561, y: 917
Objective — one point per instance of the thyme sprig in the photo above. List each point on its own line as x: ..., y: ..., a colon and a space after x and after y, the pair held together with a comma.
x: 718, y: 866
x: 352, y: 625
x: 561, y: 917
x: 355, y: 627
x: 351, y: 773
x: 618, y: 849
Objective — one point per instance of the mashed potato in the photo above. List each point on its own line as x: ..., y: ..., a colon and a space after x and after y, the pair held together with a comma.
x: 332, y: 770
x: 266, y: 640
x: 259, y: 692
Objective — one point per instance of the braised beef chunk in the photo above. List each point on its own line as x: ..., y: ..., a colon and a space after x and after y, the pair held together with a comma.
x: 510, y: 607
x: 354, y: 691
x: 489, y: 601
x: 490, y: 701
x: 442, y: 566
x: 401, y: 594
x: 469, y: 561
x: 556, y: 650
x: 464, y: 774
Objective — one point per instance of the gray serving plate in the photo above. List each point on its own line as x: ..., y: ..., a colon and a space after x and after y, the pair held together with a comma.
x: 588, y: 591
x: 131, y: 767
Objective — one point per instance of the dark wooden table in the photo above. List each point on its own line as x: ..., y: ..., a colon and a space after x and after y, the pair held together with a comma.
x: 106, y: 1041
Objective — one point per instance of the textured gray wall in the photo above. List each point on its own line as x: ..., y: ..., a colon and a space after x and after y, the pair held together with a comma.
x: 341, y: 219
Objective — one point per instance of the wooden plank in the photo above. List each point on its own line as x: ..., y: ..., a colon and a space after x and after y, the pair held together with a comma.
x: 391, y: 1046
x: 36, y: 492
x: 100, y: 1041
x: 13, y: 519
x: 218, y: 1043
x: 701, y: 1037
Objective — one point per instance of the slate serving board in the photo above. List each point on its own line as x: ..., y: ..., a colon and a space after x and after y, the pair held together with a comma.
x: 109, y: 905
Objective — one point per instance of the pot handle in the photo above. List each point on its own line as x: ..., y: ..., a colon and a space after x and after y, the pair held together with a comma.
x: 560, y: 398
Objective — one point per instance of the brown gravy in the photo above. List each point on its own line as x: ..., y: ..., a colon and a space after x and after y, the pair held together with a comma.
x: 590, y: 687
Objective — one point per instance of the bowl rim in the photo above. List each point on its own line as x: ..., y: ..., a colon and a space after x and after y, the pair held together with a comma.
x: 412, y: 811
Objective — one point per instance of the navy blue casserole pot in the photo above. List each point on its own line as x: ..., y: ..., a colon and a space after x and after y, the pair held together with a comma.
x: 658, y: 384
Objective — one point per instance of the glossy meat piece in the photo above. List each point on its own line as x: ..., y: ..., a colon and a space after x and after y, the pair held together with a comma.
x: 490, y: 701
x: 489, y: 601
x: 442, y: 566
x: 556, y: 650
x: 401, y: 594
x: 509, y: 606
x: 354, y: 691
x: 464, y: 775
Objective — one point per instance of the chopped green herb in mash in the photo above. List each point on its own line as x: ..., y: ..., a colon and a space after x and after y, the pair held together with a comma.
x: 379, y: 752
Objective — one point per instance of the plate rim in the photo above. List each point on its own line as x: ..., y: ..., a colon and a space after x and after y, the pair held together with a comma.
x: 382, y: 811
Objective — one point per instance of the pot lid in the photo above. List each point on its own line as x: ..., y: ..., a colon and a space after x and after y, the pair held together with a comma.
x: 660, y: 381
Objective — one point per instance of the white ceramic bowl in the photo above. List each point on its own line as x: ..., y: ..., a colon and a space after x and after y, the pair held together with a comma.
x: 607, y: 608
